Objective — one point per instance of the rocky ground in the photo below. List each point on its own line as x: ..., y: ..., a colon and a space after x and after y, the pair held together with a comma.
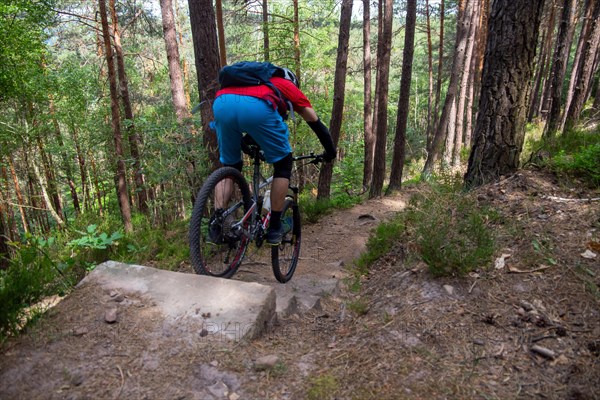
x: 527, y: 326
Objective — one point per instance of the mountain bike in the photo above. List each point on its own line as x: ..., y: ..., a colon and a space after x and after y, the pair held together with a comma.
x: 221, y: 229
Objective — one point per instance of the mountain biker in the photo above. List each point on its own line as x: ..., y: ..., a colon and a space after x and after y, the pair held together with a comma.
x: 254, y: 110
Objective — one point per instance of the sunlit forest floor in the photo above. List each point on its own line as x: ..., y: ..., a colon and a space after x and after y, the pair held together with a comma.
x: 527, y: 326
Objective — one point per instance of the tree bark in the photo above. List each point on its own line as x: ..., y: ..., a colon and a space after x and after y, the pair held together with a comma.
x: 404, y: 99
x: 457, y: 66
x: 471, y: 10
x: 585, y: 70
x: 383, y: 73
x: 59, y: 220
x: 583, y: 34
x: 221, y: 33
x: 265, y: 24
x: 339, y: 89
x: 206, y: 54
x: 561, y: 58
x: 121, y: 175
x: 134, y: 139
x: 369, y: 137
x: 540, y: 76
x: 18, y: 193
x: 429, y: 71
x: 507, y: 72
x: 438, y: 84
x: 173, y: 60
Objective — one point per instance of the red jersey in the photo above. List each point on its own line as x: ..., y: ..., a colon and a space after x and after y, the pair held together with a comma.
x: 287, y: 89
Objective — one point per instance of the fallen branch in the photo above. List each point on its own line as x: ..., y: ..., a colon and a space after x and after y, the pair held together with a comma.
x: 567, y: 200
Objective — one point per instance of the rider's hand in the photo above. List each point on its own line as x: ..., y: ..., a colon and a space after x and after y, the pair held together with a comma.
x: 329, y: 156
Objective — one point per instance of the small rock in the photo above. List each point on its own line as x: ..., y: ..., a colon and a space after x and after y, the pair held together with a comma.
x: 219, y: 389
x: 214, y: 363
x: 80, y: 331
x: 77, y: 379
x: 113, y: 293
x: 203, y: 333
x: 266, y: 362
x: 234, y: 396
x: 449, y: 289
x: 110, y: 315
x: 478, y: 342
x: 544, y: 352
x: 119, y: 298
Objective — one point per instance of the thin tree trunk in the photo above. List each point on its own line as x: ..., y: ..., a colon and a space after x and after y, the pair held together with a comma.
x: 450, y: 135
x: 134, y: 139
x: 586, y: 68
x: 457, y: 65
x: 369, y: 137
x: 438, y: 84
x: 184, y: 66
x: 339, y: 89
x: 540, y: 76
x: 64, y: 159
x: 561, y: 58
x: 383, y: 74
x: 121, y: 175
x: 265, y: 22
x: 583, y: 34
x: 206, y: 54
x: 472, y: 10
x: 11, y: 228
x: 404, y: 99
x: 96, y: 184
x: 59, y: 220
x: 52, y: 191
x: 175, y: 74
x: 221, y: 33
x: 82, y: 170
x: 20, y: 200
x: 297, y: 42
x: 377, y: 81
x: 429, y: 72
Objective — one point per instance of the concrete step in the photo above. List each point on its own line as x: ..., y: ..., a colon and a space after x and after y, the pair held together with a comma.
x: 212, y: 307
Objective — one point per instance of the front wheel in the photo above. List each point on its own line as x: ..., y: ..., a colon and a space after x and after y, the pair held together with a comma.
x: 284, y: 257
x: 217, y: 243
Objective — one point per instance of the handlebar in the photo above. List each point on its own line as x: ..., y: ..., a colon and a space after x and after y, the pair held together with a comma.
x: 315, y: 158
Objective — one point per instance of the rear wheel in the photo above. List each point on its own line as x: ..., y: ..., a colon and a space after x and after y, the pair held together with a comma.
x: 284, y: 257
x: 217, y: 245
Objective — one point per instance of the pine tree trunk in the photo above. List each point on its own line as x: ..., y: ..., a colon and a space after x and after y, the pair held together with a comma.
x: 471, y: 10
x: 369, y: 137
x: 438, y: 84
x: 540, y: 76
x: 134, y: 139
x: 585, y: 70
x: 457, y: 66
x: 383, y: 73
x: 221, y: 33
x: 339, y: 89
x: 121, y: 175
x: 265, y: 25
x: 18, y: 193
x: 429, y: 72
x: 206, y: 54
x: 561, y: 58
x: 506, y: 81
x: 397, y: 166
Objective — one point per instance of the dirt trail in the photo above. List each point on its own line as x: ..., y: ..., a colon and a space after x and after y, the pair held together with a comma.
x: 72, y: 353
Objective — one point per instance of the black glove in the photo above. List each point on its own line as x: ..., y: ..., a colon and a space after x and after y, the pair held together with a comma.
x: 325, y: 138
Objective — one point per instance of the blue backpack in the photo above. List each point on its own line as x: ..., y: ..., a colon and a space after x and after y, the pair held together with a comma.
x: 253, y: 73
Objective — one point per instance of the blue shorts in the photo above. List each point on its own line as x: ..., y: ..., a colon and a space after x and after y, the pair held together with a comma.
x: 235, y: 114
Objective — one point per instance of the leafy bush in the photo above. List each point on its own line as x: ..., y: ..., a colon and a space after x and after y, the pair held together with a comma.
x: 380, y: 242
x: 30, y: 276
x: 450, y: 232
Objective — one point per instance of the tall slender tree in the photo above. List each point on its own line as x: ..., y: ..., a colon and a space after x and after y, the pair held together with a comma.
x: 206, y: 54
x: 510, y: 54
x: 457, y: 66
x: 339, y: 89
x: 132, y: 135
x: 561, y: 58
x: 586, y: 68
x: 121, y: 173
x: 369, y: 137
x: 383, y: 74
x: 403, y: 100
